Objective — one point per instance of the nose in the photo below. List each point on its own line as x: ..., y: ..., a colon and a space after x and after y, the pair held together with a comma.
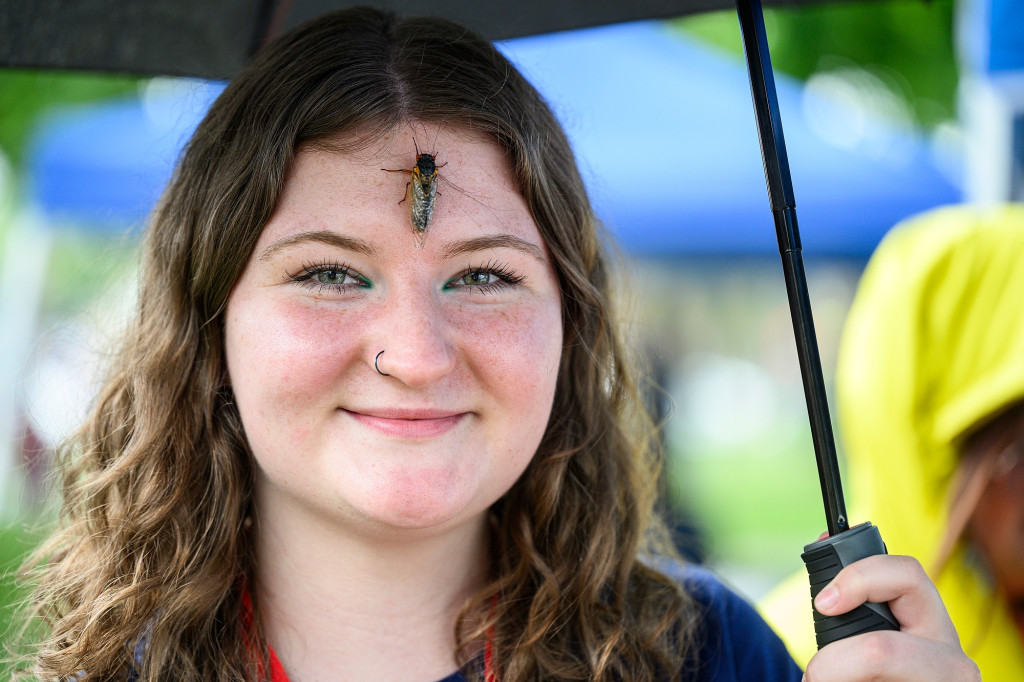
x: 416, y: 339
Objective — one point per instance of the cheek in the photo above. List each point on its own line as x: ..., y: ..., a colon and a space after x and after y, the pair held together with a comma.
x: 516, y: 351
x: 997, y: 526
x: 283, y: 358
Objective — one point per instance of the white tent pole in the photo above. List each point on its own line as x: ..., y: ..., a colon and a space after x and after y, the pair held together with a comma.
x: 23, y: 275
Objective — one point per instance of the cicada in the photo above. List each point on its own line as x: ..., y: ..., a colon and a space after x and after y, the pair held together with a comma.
x: 422, y: 188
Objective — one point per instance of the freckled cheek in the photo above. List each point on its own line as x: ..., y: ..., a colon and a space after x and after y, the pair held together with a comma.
x: 292, y: 352
x: 516, y: 347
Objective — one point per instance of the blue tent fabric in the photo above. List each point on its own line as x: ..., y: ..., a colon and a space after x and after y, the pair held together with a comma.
x: 992, y: 35
x: 663, y: 129
x: 103, y: 166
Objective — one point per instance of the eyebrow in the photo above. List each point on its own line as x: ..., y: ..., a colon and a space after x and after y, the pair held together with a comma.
x: 494, y: 242
x: 322, y: 236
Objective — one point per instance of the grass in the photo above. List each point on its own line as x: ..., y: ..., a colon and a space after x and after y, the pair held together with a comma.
x: 15, y: 544
x: 757, y: 507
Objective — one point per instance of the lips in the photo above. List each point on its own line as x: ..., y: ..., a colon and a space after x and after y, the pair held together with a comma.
x: 408, y: 423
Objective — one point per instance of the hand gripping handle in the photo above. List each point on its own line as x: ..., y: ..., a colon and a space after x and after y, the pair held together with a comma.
x: 824, y: 559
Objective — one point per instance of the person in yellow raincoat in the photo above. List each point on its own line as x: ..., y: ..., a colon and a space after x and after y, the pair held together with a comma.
x: 930, y: 406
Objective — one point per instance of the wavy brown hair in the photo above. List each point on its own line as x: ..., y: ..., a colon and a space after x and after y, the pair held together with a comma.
x: 152, y: 547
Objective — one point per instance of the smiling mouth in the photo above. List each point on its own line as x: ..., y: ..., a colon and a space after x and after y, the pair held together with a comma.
x: 409, y: 424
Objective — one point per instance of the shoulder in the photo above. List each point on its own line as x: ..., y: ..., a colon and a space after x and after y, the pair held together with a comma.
x: 735, y: 642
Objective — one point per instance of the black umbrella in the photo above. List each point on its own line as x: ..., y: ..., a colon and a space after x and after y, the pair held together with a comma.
x: 214, y: 38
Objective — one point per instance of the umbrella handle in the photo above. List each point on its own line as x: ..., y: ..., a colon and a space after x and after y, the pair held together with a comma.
x: 823, y: 560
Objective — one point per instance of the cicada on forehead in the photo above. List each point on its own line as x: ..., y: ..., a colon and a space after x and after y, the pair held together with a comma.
x: 421, y: 191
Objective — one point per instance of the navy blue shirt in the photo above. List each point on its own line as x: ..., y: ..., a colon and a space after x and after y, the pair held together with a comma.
x: 736, y: 645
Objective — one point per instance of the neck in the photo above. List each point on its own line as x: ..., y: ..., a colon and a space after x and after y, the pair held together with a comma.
x: 344, y: 605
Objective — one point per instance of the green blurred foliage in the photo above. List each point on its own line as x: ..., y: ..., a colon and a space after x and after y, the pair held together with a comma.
x: 757, y: 508
x: 907, y: 42
x: 25, y: 95
x: 83, y: 267
x: 740, y: 459
x: 15, y: 543
x: 82, y: 264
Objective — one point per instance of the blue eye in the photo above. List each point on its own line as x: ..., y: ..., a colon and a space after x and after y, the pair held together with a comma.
x: 329, y: 276
x: 486, y: 279
x: 332, y: 276
x: 478, y: 278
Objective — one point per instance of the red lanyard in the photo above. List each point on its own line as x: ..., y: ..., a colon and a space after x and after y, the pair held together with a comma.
x: 489, y: 675
x: 277, y: 673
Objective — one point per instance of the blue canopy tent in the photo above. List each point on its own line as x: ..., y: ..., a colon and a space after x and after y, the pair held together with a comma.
x: 663, y: 129
x: 103, y: 166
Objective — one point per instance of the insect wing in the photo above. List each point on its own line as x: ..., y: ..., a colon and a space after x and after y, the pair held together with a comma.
x: 422, y: 192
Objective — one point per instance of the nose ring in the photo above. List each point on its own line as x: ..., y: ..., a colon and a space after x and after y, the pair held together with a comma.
x: 376, y: 367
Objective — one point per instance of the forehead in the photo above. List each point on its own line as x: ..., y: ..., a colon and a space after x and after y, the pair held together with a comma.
x: 471, y: 160
x: 339, y: 184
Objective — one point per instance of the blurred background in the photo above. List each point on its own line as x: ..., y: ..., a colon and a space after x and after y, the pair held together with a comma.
x: 889, y: 108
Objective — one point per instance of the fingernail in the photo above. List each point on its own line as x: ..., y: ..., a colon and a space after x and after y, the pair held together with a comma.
x: 826, y: 598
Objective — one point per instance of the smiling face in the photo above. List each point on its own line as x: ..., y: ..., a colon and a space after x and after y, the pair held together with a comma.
x: 469, y: 325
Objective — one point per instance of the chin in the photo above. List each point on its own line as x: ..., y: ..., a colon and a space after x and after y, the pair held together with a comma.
x: 421, y: 510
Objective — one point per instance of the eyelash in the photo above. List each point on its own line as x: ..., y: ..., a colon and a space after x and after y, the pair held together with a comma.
x: 505, y: 275
x: 306, y: 277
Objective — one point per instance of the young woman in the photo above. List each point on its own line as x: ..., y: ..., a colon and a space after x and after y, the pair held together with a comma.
x: 374, y: 419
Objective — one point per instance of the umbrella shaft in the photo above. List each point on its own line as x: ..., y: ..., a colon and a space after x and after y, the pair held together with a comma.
x: 783, y: 206
x: 810, y: 370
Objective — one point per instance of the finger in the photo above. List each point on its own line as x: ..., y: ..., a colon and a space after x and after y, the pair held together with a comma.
x: 894, y: 656
x: 898, y: 580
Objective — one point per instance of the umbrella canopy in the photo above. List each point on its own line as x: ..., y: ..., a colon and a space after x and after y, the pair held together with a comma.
x: 214, y: 39
x: 664, y: 132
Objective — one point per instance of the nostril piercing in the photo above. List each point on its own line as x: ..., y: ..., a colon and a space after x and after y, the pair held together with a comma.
x: 377, y: 367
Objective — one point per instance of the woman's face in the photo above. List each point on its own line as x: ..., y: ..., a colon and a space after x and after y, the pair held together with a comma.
x: 997, y: 527
x: 469, y: 325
